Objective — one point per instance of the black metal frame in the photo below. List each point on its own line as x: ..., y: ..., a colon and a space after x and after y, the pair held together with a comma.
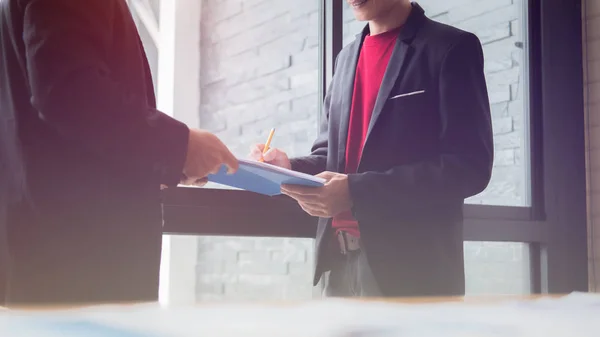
x: 331, y: 38
x: 555, y: 224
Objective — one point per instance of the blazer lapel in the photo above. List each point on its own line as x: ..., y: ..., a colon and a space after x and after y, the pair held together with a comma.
x: 349, y: 74
x: 397, y: 63
x: 399, y: 59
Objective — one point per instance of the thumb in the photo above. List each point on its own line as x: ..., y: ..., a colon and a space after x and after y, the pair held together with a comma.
x: 326, y: 175
x: 231, y: 162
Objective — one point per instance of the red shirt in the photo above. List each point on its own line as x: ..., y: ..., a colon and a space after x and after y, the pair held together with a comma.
x: 372, y: 62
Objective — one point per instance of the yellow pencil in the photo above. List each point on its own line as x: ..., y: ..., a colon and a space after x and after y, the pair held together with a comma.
x: 268, y: 143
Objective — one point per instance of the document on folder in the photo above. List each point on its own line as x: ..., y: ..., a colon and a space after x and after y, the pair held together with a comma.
x: 263, y: 178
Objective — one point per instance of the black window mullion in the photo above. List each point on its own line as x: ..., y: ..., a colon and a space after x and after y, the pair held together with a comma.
x: 563, y: 145
x: 536, y: 140
x: 330, y: 44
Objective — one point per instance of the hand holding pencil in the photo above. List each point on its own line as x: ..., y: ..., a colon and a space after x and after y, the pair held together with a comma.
x: 265, y: 153
x: 267, y: 145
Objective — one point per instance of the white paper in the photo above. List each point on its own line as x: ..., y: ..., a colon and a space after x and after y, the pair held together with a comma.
x: 576, y: 315
x: 282, y: 170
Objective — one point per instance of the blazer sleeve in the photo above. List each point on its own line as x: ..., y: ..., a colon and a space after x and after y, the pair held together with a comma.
x: 74, y: 90
x: 316, y: 162
x: 464, y: 164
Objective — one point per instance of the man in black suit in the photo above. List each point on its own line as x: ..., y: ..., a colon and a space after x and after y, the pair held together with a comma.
x: 406, y: 137
x: 82, y: 140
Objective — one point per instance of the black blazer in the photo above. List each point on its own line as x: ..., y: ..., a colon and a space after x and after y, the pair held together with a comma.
x: 424, y: 154
x: 80, y: 135
x: 74, y: 78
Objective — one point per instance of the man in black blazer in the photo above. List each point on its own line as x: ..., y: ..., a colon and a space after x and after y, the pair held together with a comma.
x: 86, y: 152
x: 406, y: 137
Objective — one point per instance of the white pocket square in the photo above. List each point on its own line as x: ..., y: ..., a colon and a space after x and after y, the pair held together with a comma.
x: 408, y: 94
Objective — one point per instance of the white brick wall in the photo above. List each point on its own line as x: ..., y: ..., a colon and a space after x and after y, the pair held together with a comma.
x: 591, y: 51
x: 258, y: 71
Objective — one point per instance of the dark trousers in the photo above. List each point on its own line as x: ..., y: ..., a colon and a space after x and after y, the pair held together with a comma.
x: 350, y: 275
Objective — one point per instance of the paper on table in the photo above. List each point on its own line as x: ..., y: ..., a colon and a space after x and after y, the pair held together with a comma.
x: 65, y: 327
x: 574, y: 315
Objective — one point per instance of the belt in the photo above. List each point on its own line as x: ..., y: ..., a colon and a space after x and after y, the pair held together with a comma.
x: 347, y: 242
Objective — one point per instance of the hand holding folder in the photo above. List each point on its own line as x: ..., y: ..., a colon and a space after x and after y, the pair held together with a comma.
x: 265, y: 175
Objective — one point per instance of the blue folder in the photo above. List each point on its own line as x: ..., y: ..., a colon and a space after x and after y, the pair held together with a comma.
x: 263, y: 178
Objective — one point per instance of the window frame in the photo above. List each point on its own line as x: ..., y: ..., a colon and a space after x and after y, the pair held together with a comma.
x: 178, y: 62
x: 554, y: 225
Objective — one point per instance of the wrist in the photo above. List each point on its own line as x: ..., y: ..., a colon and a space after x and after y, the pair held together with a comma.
x: 187, y: 151
x: 172, y: 165
x: 346, y: 183
x: 350, y: 181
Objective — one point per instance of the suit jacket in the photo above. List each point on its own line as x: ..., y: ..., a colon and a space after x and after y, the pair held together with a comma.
x: 81, y: 136
x: 424, y: 154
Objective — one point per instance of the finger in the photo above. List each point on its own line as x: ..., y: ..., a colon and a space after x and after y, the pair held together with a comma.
x: 215, y: 169
x: 270, y: 155
x: 326, y: 175
x: 187, y: 181
x: 301, y: 190
x: 303, y: 198
x: 293, y: 196
x: 200, y: 182
x: 306, y: 209
x: 314, y: 198
x: 231, y: 162
x: 256, y: 152
x: 287, y: 193
x: 313, y: 211
x: 313, y: 206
